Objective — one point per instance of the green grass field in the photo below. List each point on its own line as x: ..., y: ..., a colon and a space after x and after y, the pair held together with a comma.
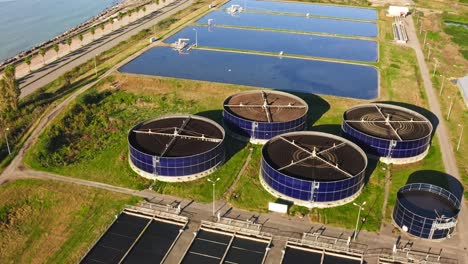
x: 53, y: 222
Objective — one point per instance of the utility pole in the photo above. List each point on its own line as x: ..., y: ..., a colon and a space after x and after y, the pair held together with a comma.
x: 436, y: 63
x: 214, y: 185
x: 450, y: 107
x: 196, y: 37
x: 442, y: 85
x: 6, y: 139
x: 361, y: 207
x: 420, y: 28
x: 425, y: 37
x: 461, y: 135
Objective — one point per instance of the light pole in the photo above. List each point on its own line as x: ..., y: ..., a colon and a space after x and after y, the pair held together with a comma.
x: 214, y: 184
x: 442, y: 85
x: 6, y: 139
x: 196, y: 37
x: 450, y: 107
x: 361, y: 207
x: 425, y: 38
x: 461, y: 135
x: 436, y: 63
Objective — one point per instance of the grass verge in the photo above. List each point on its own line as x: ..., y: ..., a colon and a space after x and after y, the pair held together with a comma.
x: 47, y: 221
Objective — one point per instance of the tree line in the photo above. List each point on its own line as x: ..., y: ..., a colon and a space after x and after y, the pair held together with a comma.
x: 9, y: 93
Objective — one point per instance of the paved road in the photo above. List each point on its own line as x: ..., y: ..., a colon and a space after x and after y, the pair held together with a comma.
x: 52, y: 71
x: 446, y: 148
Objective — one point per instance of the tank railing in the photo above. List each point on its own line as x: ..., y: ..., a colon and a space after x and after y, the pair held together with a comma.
x: 433, y: 189
x: 412, y: 256
x: 235, y: 229
x: 330, y: 244
x: 378, y: 138
x: 158, y: 212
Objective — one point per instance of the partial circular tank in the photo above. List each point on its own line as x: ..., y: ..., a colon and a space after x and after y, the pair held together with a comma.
x: 176, y: 147
x: 257, y: 116
x: 313, y: 169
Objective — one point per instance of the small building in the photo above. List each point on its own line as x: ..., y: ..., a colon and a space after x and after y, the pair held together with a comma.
x: 398, y: 11
x: 463, y: 85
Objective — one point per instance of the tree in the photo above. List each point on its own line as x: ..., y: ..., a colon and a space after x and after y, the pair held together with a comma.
x: 68, y: 76
x: 137, y: 10
x: 11, y: 91
x: 42, y: 52
x: 93, y: 31
x: 27, y: 60
x: 3, y: 103
x: 80, y: 37
x: 69, y: 42
x: 56, y: 48
x: 111, y: 21
x: 129, y: 13
x: 120, y: 16
x: 156, y: 2
x: 144, y: 9
x: 102, y: 26
x: 164, y: 1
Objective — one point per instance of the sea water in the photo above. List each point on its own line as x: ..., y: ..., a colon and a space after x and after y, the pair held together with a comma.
x: 26, y: 23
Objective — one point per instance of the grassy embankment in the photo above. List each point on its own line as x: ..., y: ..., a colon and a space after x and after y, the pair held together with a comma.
x: 449, y: 47
x: 400, y: 81
x: 47, y: 221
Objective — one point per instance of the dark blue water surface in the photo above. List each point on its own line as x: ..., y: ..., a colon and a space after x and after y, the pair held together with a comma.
x: 289, y: 43
x: 304, y: 8
x: 316, y: 25
x: 308, y: 76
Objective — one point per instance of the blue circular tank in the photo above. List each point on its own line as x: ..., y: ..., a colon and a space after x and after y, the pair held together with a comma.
x: 396, y: 134
x: 176, y: 147
x: 313, y: 169
x: 426, y: 211
x: 257, y: 116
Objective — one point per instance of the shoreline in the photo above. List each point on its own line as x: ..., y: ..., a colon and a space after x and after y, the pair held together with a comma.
x: 102, y: 16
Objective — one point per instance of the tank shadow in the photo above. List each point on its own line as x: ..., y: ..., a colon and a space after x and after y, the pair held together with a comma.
x: 426, y: 113
x: 232, y: 145
x: 440, y: 179
x: 317, y: 106
x: 331, y: 129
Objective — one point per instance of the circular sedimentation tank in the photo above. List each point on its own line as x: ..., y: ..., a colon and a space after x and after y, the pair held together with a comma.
x: 176, y: 147
x: 395, y: 134
x: 313, y: 169
x: 426, y: 211
x: 257, y: 116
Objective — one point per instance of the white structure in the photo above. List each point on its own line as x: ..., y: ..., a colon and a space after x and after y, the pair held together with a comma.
x: 277, y: 207
x: 180, y: 44
x: 400, y: 11
x: 234, y: 9
x: 463, y: 85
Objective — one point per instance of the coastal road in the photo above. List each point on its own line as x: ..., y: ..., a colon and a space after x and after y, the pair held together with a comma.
x: 52, y: 71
